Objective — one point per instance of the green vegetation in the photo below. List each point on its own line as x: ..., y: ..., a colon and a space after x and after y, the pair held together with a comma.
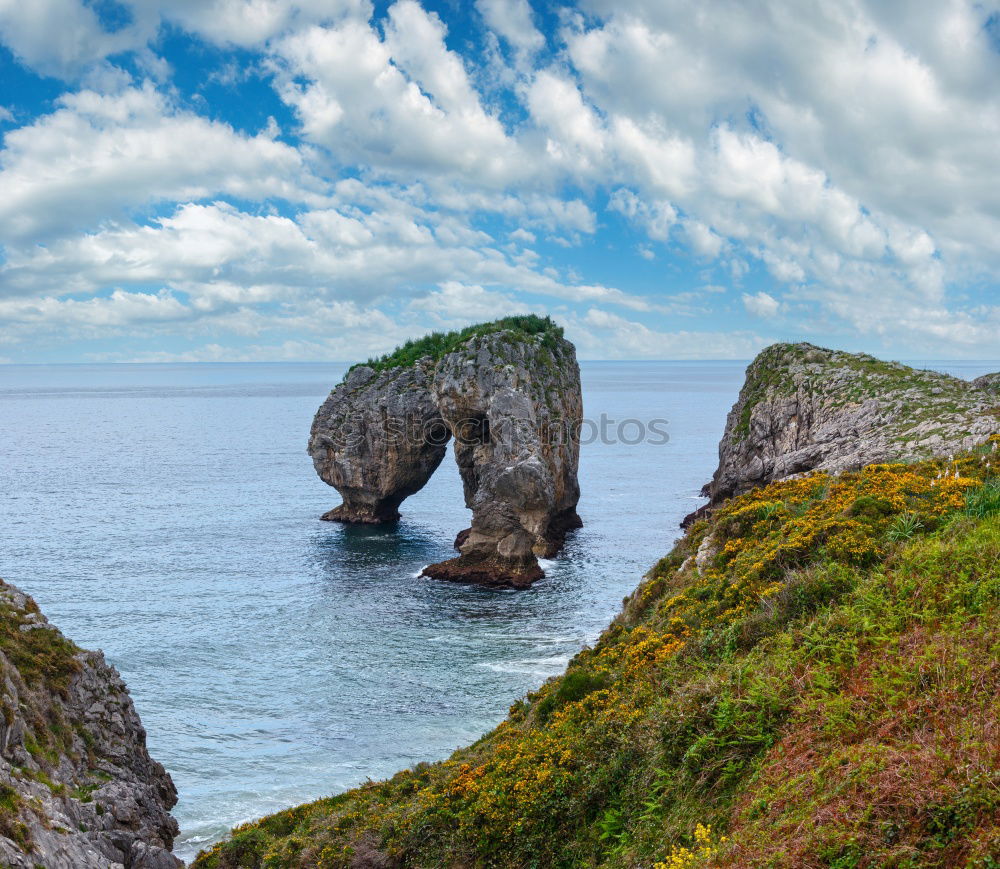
x: 823, y: 691
x: 918, y: 394
x: 438, y: 344
x: 40, y: 653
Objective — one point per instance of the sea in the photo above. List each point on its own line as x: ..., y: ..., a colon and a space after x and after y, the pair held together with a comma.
x: 169, y: 515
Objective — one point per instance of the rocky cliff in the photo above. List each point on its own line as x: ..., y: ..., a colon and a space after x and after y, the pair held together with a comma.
x: 804, y: 408
x: 78, y: 789
x: 508, y: 393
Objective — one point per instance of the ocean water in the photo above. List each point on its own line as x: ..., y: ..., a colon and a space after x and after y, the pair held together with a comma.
x: 167, y: 514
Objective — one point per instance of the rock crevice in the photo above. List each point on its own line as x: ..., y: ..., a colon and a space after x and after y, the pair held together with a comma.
x: 512, y: 404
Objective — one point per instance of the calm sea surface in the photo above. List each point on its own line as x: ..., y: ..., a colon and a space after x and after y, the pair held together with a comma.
x: 167, y: 514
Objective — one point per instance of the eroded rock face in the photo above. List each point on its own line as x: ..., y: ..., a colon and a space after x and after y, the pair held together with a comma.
x: 514, y: 408
x: 377, y: 439
x: 513, y: 405
x: 988, y: 383
x: 78, y: 789
x: 804, y: 408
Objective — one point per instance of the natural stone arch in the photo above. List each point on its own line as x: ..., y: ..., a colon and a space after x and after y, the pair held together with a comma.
x: 512, y: 402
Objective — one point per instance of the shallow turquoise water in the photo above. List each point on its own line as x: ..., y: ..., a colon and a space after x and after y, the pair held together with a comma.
x: 168, y: 515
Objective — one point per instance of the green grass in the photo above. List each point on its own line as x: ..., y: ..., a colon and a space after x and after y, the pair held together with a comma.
x: 823, y: 692
x: 41, y: 654
x: 438, y: 344
x: 936, y: 395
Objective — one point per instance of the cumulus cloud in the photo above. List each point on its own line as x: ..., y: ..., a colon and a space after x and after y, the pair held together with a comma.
x: 601, y: 334
x: 61, y: 37
x: 402, y: 103
x: 512, y: 20
x: 846, y: 151
x: 761, y: 304
x: 99, y: 154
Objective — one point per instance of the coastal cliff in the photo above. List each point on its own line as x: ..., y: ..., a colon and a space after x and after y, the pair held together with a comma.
x: 809, y: 678
x: 508, y: 394
x: 78, y: 789
x: 805, y: 408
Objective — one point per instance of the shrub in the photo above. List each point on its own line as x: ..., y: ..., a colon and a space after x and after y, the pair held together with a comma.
x: 438, y: 344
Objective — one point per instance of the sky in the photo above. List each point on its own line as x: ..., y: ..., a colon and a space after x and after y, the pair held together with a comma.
x: 282, y: 180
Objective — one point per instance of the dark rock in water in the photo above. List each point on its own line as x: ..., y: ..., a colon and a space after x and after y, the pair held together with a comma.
x: 377, y: 439
x: 803, y: 408
x: 513, y: 405
x: 78, y: 789
x: 514, y: 408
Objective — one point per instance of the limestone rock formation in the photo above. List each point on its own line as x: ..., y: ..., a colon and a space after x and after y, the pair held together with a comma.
x: 377, y: 439
x: 804, y: 408
x: 509, y: 394
x: 78, y: 789
x: 514, y: 407
x: 988, y: 382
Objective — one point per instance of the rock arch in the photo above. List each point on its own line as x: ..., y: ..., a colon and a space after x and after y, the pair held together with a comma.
x: 510, y: 401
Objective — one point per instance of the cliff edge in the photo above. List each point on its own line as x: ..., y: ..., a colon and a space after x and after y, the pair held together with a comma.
x: 804, y: 408
x: 808, y: 679
x: 78, y: 789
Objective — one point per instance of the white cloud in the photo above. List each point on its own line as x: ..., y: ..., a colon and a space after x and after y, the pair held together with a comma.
x: 761, y: 304
x: 456, y: 304
x: 402, y: 105
x: 512, y: 20
x: 60, y: 37
x: 847, y: 149
x: 250, y: 22
x: 98, y: 155
x: 600, y: 334
x: 656, y: 216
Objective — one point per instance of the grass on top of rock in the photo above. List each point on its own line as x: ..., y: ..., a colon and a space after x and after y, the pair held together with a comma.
x: 921, y: 393
x: 438, y: 344
x: 823, y: 691
x: 39, y: 652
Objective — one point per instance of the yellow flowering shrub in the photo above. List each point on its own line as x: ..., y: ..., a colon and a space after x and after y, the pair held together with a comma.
x: 659, y: 728
x: 704, y: 848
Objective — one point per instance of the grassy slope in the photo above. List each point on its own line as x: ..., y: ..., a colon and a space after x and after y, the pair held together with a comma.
x: 437, y: 344
x: 822, y: 692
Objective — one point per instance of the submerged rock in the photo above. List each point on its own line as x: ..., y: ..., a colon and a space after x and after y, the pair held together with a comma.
x: 509, y: 396
x: 78, y: 789
x: 805, y: 408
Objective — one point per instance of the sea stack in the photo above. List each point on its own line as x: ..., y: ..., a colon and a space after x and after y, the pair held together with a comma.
x: 508, y: 393
x: 804, y: 408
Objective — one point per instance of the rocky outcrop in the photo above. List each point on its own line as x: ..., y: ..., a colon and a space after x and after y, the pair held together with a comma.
x: 377, y: 439
x: 514, y: 408
x: 988, y: 383
x: 804, y: 408
x: 78, y: 789
x: 509, y: 398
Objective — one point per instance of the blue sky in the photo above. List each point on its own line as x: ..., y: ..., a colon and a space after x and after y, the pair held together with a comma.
x: 322, y: 179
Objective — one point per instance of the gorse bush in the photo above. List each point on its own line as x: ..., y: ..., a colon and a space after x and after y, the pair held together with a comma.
x: 822, y: 690
x: 438, y: 344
